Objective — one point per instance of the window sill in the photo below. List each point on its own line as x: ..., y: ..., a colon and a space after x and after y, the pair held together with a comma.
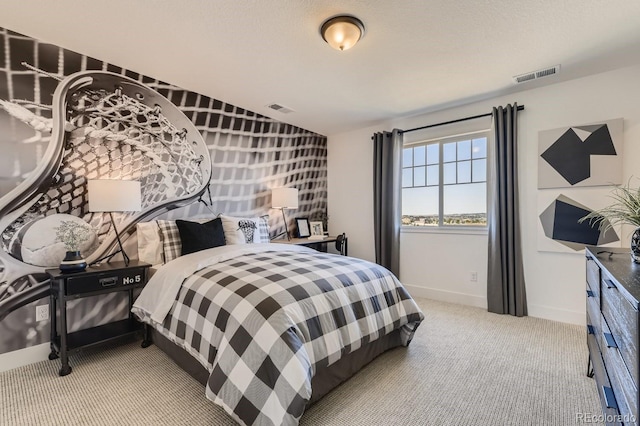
x: 455, y: 230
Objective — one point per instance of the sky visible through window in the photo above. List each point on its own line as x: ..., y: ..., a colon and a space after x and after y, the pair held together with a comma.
x: 462, y: 166
x: 471, y: 198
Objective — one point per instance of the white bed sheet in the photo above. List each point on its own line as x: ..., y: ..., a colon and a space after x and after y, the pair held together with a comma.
x: 163, y: 287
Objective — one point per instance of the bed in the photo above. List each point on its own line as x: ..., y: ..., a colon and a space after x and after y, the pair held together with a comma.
x: 271, y: 328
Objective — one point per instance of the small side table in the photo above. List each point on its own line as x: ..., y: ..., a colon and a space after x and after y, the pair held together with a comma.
x: 320, y: 245
x: 102, y: 279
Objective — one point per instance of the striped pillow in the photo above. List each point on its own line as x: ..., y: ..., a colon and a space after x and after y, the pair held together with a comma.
x: 263, y: 229
x: 171, y: 243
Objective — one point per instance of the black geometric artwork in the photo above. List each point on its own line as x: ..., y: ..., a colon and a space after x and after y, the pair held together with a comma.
x: 570, y: 155
x: 560, y: 223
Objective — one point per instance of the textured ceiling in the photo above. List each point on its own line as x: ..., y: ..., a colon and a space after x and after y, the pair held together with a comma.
x: 416, y: 55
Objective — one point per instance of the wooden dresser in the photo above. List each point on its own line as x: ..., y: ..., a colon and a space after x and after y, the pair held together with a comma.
x: 613, y: 292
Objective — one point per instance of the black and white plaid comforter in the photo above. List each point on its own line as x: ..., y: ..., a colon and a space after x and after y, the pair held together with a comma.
x: 263, y: 320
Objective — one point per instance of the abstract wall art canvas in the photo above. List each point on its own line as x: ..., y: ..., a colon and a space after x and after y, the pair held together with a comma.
x: 584, y: 155
x: 559, y: 229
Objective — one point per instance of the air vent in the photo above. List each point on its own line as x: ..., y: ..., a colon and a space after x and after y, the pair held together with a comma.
x: 525, y: 77
x: 280, y: 108
x: 533, y: 75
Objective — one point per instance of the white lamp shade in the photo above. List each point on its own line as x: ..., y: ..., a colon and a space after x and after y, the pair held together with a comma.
x: 106, y: 195
x: 284, y: 198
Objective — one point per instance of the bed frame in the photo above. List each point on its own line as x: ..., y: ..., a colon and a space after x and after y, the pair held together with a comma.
x: 322, y: 383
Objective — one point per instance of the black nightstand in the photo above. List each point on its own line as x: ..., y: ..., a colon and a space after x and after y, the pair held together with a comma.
x: 102, y: 279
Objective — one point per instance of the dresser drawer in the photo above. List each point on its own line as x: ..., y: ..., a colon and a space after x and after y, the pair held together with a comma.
x: 605, y: 392
x: 622, y: 384
x: 593, y: 278
x: 87, y: 283
x: 594, y: 317
x: 620, y: 379
x: 622, y: 319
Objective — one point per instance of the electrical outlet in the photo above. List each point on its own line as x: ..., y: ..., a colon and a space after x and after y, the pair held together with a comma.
x: 473, y: 277
x: 42, y: 312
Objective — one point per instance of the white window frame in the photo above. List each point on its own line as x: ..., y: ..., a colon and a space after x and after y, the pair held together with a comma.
x: 441, y: 227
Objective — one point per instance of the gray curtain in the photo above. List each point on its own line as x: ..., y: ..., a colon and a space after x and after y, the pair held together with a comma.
x: 387, y: 198
x: 505, y: 282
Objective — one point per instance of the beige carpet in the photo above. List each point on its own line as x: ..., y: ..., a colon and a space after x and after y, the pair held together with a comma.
x: 464, y: 367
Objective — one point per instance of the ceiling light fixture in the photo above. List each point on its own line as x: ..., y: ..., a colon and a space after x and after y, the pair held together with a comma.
x: 342, y: 32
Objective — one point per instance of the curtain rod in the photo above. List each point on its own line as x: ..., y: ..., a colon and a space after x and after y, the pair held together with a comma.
x: 520, y: 108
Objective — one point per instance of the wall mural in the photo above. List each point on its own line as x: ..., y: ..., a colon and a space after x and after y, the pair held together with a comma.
x: 66, y: 118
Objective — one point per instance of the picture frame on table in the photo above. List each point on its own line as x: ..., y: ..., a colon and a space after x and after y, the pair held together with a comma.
x: 316, y: 229
x: 303, y: 227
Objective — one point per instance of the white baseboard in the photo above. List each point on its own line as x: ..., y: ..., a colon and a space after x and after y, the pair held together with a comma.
x: 555, y: 314
x: 447, y: 296
x: 536, y: 311
x: 26, y: 356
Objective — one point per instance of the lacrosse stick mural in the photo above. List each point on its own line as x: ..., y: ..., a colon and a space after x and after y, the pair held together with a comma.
x: 104, y: 126
x: 70, y: 118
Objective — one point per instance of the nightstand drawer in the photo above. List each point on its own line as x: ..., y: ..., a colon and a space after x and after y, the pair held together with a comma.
x: 622, y: 319
x: 104, y: 280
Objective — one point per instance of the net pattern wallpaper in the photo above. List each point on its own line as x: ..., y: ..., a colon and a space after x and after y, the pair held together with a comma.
x: 66, y: 118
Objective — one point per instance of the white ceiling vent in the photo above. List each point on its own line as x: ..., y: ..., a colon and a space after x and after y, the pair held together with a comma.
x: 280, y: 108
x: 533, y: 75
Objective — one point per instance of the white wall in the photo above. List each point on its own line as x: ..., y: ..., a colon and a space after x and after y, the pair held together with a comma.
x: 437, y: 265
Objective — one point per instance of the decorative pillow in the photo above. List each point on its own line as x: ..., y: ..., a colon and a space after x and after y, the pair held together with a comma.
x: 171, y: 244
x: 149, y: 242
x: 263, y: 229
x: 200, y: 236
x: 241, y: 230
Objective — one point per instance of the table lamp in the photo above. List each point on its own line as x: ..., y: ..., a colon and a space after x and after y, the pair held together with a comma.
x: 111, y: 195
x: 284, y: 198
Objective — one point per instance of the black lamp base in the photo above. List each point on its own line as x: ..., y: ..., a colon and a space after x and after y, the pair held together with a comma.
x: 120, y: 249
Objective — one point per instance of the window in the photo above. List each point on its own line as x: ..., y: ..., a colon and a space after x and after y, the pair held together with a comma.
x: 444, y: 182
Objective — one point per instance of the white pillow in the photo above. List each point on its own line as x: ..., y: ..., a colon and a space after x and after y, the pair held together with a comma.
x: 243, y: 230
x: 149, y: 242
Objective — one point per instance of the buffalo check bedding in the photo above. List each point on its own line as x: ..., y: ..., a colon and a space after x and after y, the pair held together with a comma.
x: 262, y: 318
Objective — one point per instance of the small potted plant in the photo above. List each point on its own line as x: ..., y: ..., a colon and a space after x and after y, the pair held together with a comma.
x: 624, y: 211
x: 72, y: 234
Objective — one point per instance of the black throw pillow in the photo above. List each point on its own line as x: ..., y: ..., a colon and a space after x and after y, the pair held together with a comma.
x: 200, y: 236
